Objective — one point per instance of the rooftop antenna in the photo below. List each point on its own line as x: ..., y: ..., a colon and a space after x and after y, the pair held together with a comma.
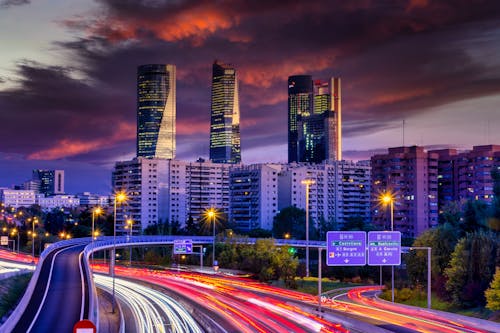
x: 403, y: 132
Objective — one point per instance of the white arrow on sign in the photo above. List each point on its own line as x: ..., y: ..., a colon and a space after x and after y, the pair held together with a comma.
x: 384, y: 260
x: 346, y: 261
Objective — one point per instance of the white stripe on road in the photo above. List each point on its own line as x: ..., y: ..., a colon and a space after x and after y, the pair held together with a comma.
x: 47, y: 287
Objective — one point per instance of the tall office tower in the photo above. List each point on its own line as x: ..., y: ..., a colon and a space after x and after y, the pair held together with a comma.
x: 411, y: 175
x: 156, y: 110
x: 50, y: 181
x: 314, y: 120
x: 225, y: 115
x: 327, y: 103
x: 300, y: 104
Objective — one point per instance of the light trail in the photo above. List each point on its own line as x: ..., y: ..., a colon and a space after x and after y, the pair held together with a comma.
x: 152, y: 310
x: 247, y: 310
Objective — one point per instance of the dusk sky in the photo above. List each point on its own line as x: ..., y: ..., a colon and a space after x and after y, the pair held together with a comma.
x: 68, y: 76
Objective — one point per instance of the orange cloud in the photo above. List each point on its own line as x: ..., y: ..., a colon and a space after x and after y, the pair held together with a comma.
x: 400, y: 96
x: 197, y: 23
x: 67, y: 147
x: 265, y: 75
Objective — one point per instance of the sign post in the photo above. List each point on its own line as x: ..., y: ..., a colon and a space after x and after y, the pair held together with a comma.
x: 346, y: 248
x: 183, y: 246
x: 384, y: 248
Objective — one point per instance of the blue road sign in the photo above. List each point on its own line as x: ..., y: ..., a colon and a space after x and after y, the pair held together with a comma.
x: 384, y: 248
x: 346, y: 248
x: 183, y: 246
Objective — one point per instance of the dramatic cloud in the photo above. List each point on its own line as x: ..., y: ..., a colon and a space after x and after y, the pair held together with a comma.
x: 398, y: 60
x: 10, y: 3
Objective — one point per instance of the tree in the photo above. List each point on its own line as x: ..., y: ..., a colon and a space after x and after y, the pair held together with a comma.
x: 191, y: 227
x: 291, y: 220
x: 471, y: 268
x: 492, y: 294
x: 442, y: 240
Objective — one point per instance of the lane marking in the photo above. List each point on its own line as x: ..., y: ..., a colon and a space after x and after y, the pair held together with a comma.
x: 82, y: 308
x: 48, y: 285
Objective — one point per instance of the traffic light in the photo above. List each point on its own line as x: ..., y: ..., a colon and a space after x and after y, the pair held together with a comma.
x: 292, y: 250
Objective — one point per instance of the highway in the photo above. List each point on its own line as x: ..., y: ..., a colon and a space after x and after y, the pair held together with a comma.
x: 151, y: 311
x: 58, y: 300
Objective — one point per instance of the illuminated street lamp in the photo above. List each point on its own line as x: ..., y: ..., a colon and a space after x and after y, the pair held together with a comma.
x: 13, y: 233
x: 307, y: 183
x: 95, y: 211
x: 387, y: 198
x: 129, y: 225
x: 34, y: 221
x: 119, y: 197
x: 211, y: 215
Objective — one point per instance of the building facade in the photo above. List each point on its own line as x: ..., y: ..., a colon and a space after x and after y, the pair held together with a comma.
x: 339, y: 190
x: 314, y: 120
x: 254, y: 196
x: 49, y: 182
x: 17, y: 198
x: 145, y: 183
x: 169, y: 191
x: 156, y: 111
x: 467, y: 175
x: 410, y: 176
x: 225, y: 115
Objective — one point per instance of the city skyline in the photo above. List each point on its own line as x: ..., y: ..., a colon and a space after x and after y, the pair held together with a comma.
x: 68, y: 71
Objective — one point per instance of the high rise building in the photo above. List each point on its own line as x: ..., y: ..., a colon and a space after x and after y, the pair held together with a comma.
x: 314, y: 120
x: 49, y: 182
x: 225, y: 115
x: 254, y: 196
x: 467, y: 175
x: 173, y: 191
x: 156, y: 111
x: 300, y: 104
x: 410, y: 174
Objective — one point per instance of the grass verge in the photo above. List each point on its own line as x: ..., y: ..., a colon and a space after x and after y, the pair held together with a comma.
x: 11, y: 291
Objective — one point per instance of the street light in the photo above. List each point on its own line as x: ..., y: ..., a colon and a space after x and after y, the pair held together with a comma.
x: 211, y: 214
x: 129, y: 225
x: 34, y: 221
x: 119, y: 197
x: 387, y: 198
x: 95, y: 211
x: 307, y: 183
x: 13, y: 233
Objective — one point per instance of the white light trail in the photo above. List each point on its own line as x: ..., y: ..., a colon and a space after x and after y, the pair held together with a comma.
x: 152, y: 310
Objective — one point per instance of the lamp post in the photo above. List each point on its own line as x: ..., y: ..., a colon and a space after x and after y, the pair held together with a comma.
x: 307, y: 183
x: 34, y: 221
x: 129, y: 225
x: 211, y: 215
x: 13, y: 233
x: 388, y: 199
x: 95, y: 211
x: 119, y: 197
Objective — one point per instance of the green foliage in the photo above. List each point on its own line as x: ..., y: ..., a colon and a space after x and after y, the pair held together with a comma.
x: 442, y: 240
x: 11, y: 291
x: 471, y: 268
x: 492, y: 294
x: 263, y: 258
x: 291, y: 220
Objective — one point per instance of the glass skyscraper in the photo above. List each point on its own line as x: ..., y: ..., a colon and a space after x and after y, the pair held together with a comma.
x: 314, y: 120
x: 156, y: 111
x: 225, y: 115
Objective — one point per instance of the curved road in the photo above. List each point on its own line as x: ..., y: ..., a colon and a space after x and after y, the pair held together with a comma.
x: 58, y: 300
